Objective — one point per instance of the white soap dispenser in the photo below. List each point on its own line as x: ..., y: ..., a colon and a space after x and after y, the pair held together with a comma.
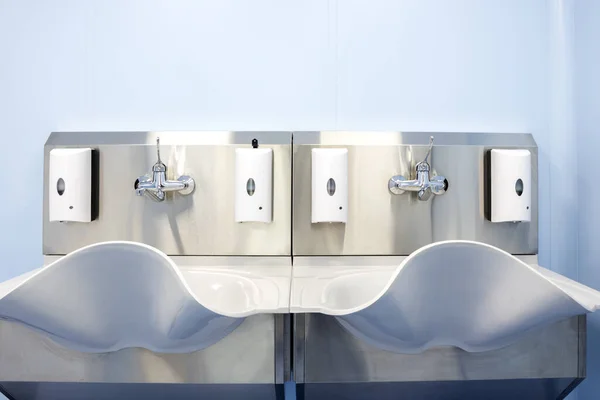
x: 509, y: 185
x: 254, y: 184
x: 329, y: 185
x: 71, y: 181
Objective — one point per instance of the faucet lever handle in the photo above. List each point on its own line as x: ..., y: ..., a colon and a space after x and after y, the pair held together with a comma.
x: 158, y: 165
x: 426, y: 160
x: 158, y: 149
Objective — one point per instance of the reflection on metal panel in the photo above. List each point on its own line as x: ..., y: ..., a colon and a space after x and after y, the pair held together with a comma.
x: 201, y: 223
x: 380, y: 223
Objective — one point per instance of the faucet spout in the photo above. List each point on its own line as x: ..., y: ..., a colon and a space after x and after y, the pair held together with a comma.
x: 157, y: 196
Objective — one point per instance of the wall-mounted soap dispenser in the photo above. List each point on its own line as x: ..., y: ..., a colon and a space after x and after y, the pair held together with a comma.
x: 73, y: 184
x: 329, y: 185
x: 253, y: 185
x: 509, y: 185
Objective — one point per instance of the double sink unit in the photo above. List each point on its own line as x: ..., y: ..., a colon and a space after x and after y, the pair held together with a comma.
x: 361, y: 265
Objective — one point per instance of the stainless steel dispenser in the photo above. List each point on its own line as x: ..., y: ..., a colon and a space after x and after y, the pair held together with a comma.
x: 197, y: 228
x: 383, y: 227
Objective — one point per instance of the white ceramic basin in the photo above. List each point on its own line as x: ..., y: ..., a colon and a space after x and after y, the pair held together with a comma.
x: 114, y: 295
x: 456, y: 293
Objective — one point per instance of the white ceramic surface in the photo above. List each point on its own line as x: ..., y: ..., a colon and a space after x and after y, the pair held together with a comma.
x: 455, y: 293
x: 114, y: 295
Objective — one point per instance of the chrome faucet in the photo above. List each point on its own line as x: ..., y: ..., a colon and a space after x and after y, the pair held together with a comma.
x: 424, y: 184
x: 156, y: 185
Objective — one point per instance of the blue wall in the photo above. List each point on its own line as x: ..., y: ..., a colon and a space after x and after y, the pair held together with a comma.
x: 461, y: 65
x: 587, y: 116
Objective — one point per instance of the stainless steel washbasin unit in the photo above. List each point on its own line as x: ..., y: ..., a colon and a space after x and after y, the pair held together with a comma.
x: 305, y: 235
x: 252, y: 362
x: 331, y: 363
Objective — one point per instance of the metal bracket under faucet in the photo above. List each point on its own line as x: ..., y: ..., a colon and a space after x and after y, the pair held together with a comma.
x: 156, y: 185
x: 424, y: 185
